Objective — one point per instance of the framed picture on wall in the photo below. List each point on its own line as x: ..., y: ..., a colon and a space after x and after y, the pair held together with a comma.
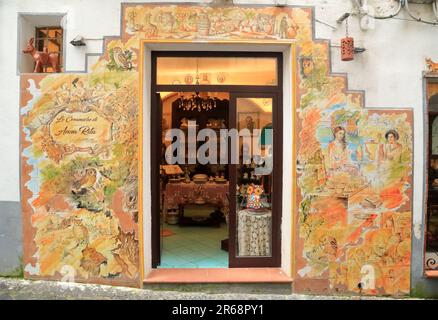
x: 248, y: 120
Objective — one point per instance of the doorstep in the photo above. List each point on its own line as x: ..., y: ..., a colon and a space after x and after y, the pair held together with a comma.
x: 216, y: 275
x: 431, y: 273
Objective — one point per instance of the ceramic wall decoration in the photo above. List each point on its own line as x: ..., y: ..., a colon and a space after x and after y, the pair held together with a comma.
x: 347, y: 49
x: 43, y: 59
x: 79, y: 185
x: 432, y: 67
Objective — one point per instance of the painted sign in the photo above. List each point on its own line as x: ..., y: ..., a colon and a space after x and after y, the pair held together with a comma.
x: 83, y: 129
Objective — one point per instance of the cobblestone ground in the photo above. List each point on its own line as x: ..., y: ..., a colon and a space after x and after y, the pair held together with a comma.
x: 17, y: 289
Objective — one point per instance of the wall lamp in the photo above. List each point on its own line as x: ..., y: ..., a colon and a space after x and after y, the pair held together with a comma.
x: 280, y: 3
x: 78, y: 41
x: 343, y: 17
x: 359, y: 50
x: 356, y: 49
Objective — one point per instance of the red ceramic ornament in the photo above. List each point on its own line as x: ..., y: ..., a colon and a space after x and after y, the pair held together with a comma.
x: 347, y: 49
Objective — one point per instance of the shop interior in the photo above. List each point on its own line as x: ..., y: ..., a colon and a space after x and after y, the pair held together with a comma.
x: 211, y: 211
x: 432, y: 210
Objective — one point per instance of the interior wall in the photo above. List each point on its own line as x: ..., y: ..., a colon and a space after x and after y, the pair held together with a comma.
x: 26, y: 31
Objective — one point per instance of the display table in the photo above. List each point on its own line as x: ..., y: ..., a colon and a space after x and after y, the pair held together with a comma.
x: 176, y: 195
x: 254, y: 232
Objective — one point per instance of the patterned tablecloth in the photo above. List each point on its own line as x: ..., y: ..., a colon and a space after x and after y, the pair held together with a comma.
x: 189, y: 193
x: 254, y: 232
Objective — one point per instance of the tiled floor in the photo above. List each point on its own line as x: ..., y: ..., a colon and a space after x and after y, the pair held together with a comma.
x: 194, y: 247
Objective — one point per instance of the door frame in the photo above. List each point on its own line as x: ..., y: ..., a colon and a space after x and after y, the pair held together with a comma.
x: 276, y: 193
x: 155, y: 132
x: 429, y: 117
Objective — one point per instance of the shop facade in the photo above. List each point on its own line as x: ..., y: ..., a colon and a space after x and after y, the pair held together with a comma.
x: 342, y: 218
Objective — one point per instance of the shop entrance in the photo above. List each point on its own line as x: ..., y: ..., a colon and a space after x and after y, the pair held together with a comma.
x: 216, y: 148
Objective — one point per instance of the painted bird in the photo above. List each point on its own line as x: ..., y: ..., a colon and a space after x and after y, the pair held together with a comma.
x: 307, y: 67
x: 74, y: 82
x: 121, y: 58
x: 86, y: 181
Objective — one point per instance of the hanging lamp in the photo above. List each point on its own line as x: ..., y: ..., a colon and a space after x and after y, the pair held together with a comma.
x: 347, y: 45
x: 196, y: 102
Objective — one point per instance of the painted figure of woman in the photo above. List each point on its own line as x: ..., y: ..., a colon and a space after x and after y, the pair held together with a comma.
x: 338, y: 154
x: 391, y: 150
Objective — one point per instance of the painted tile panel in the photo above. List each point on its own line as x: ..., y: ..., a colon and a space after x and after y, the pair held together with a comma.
x: 80, y: 146
x: 354, y: 165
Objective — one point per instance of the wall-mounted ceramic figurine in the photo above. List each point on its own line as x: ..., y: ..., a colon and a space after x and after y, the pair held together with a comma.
x: 43, y: 59
x: 431, y: 66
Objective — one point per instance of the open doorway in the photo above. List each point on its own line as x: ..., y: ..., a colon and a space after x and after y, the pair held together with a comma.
x: 431, y: 234
x: 216, y: 159
x: 194, y: 204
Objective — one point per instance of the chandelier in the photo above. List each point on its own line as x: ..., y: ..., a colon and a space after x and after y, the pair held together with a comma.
x: 196, y: 102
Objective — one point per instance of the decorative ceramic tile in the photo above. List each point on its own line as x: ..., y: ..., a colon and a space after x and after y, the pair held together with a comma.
x: 354, y: 165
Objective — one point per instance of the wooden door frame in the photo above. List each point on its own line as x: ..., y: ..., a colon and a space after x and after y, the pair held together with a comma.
x: 429, y: 117
x: 276, y: 197
x: 156, y: 129
x: 155, y: 177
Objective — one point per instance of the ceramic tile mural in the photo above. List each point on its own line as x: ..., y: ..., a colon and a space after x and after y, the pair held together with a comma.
x: 354, y: 216
x: 79, y: 185
x: 79, y: 159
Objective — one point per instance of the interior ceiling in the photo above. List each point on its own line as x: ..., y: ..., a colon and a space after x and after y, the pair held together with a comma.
x: 182, y: 65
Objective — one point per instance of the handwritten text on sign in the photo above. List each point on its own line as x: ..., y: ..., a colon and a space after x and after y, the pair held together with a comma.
x: 83, y: 129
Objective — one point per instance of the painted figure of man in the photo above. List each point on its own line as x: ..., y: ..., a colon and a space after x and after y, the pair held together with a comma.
x: 392, y: 149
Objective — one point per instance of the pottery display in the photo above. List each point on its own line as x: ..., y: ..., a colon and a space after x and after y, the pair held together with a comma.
x: 200, y: 178
x: 220, y: 180
x: 172, y: 217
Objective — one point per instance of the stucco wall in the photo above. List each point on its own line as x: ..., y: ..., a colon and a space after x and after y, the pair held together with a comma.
x: 11, y: 249
x: 390, y: 71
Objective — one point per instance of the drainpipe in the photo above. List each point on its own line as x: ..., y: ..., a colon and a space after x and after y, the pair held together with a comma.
x: 406, y: 4
x: 435, y: 9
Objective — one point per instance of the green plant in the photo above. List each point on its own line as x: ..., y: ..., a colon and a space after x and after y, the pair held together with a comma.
x: 16, y: 273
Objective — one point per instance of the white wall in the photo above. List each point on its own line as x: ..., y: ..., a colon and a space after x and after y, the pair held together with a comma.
x: 26, y: 31
x: 390, y: 70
